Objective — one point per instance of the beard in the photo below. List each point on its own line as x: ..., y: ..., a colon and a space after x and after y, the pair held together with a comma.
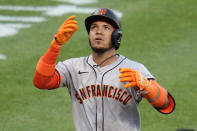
x: 101, y: 50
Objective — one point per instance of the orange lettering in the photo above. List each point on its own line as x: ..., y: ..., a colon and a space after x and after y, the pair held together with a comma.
x: 93, y: 90
x: 83, y: 94
x: 124, y: 93
x: 88, y: 90
x: 98, y: 90
x: 78, y: 98
x: 105, y: 90
x: 118, y: 94
x: 126, y: 100
x: 115, y: 93
x: 110, y: 89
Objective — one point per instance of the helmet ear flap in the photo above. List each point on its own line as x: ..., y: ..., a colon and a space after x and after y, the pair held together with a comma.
x: 116, y: 38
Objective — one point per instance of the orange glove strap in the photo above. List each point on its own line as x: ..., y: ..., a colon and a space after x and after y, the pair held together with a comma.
x: 163, y: 101
x: 156, y: 95
x: 171, y: 106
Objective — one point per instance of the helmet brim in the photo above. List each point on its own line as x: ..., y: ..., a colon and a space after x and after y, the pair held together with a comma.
x: 89, y: 20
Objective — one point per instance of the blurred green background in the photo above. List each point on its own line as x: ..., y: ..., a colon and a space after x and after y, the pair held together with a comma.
x: 161, y: 34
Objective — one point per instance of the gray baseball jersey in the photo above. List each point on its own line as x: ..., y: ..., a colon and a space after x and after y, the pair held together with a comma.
x: 99, y: 100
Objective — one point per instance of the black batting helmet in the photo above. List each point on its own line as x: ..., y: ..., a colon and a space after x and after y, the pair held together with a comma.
x: 109, y: 16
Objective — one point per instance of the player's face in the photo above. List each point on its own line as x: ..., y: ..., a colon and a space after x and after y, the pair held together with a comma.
x: 100, y: 36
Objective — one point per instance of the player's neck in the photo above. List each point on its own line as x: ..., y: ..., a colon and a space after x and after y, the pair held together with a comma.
x: 106, y: 58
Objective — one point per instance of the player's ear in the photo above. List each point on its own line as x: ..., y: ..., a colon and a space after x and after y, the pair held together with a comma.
x: 116, y: 38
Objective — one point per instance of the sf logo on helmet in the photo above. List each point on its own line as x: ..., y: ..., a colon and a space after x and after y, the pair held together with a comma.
x: 100, y: 12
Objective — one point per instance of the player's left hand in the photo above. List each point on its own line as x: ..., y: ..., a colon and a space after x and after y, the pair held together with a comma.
x: 134, y: 79
x: 66, y: 31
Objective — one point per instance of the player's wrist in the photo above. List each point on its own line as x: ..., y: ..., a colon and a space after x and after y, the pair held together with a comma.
x: 144, y: 84
x: 56, y: 44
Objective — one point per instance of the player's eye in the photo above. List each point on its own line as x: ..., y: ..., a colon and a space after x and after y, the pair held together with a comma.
x: 106, y: 27
x: 93, y: 27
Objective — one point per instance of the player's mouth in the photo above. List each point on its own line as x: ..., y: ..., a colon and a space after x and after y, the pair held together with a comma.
x: 98, y: 39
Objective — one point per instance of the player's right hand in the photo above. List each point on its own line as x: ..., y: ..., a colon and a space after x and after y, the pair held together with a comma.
x: 134, y: 79
x: 66, y: 31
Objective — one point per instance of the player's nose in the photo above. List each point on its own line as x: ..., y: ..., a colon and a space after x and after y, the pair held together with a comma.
x: 99, y: 31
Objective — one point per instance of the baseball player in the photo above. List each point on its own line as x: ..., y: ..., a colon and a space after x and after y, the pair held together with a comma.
x: 105, y: 87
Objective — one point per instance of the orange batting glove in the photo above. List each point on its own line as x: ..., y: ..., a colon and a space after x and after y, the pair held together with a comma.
x: 153, y: 92
x: 134, y: 79
x: 66, y: 31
